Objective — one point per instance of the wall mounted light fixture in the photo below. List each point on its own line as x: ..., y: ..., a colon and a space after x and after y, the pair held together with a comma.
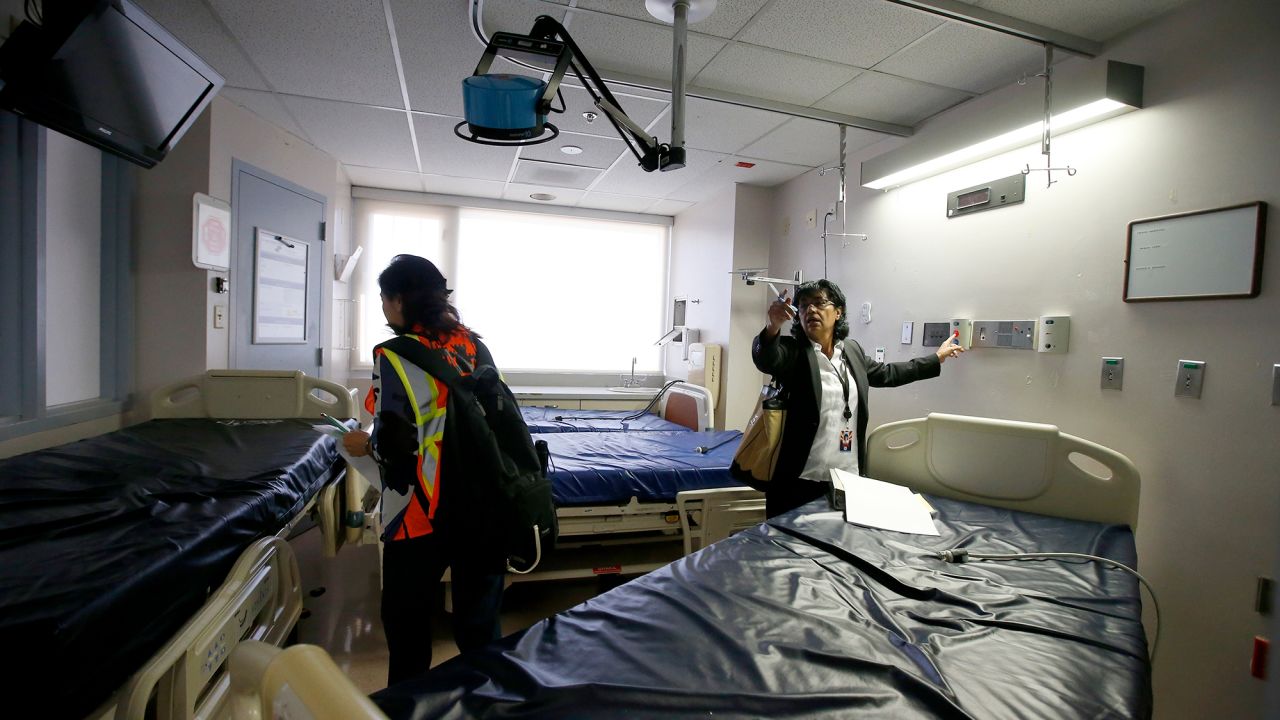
x: 1087, y: 91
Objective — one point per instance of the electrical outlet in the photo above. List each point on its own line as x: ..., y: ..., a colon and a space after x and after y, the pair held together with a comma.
x: 831, y: 209
x: 1190, y: 379
x: 879, y: 354
x: 219, y: 316
x: 1112, y: 373
x: 865, y: 313
x: 907, y: 328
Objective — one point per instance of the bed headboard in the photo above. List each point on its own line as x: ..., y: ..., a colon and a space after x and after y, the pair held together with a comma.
x: 689, y: 405
x: 1016, y: 465
x: 253, y: 395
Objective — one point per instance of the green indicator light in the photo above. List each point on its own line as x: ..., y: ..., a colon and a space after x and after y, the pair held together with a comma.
x: 1113, y: 362
x: 1190, y: 366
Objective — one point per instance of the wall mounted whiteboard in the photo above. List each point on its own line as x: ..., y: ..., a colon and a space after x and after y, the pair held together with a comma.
x: 1196, y: 255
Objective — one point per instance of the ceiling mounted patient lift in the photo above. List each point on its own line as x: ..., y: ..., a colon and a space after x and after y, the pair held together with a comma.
x: 511, y: 110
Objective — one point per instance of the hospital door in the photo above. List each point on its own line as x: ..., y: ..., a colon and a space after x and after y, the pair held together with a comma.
x: 277, y: 276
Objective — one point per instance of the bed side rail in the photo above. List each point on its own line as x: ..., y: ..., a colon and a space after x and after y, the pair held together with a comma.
x: 261, y: 599
x: 1004, y: 463
x: 715, y: 513
x: 301, y: 681
x: 253, y: 395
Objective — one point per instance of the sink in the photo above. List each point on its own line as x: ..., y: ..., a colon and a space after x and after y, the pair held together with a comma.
x: 634, y: 390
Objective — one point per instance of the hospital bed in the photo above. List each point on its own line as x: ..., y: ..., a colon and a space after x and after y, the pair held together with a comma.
x: 134, y: 562
x: 615, y: 478
x: 807, y: 616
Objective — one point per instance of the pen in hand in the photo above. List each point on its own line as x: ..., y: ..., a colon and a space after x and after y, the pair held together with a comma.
x: 782, y: 299
x: 335, y: 422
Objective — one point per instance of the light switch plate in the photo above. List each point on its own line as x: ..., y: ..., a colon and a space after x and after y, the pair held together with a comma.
x: 908, y: 329
x: 1112, y: 373
x: 879, y: 355
x: 219, y: 316
x: 1190, y: 379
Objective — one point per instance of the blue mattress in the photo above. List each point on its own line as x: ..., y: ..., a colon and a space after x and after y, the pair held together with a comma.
x: 556, y: 420
x: 110, y: 545
x: 809, y: 617
x: 590, y: 468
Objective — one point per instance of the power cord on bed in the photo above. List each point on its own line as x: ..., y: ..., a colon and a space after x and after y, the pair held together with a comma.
x: 960, y: 555
x: 633, y: 416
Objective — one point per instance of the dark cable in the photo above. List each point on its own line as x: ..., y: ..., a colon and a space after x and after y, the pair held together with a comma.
x: 960, y: 555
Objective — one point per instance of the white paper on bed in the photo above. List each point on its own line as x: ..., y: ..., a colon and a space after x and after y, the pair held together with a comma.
x: 363, y: 465
x: 883, y: 505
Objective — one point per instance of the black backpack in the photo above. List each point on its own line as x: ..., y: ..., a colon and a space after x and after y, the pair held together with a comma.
x: 494, y: 439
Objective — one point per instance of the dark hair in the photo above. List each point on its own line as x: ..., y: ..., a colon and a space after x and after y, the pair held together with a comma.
x: 423, y: 296
x: 815, y: 287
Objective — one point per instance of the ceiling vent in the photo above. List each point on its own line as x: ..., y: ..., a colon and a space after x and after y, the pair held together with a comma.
x: 537, y: 172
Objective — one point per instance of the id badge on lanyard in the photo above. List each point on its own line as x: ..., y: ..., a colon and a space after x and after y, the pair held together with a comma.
x: 846, y: 433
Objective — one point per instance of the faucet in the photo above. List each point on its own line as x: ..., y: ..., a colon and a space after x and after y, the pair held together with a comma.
x: 632, y: 380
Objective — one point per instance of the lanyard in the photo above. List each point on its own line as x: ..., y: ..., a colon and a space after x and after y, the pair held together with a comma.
x: 844, y: 383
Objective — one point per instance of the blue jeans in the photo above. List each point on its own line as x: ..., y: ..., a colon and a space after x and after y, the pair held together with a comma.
x: 411, y: 572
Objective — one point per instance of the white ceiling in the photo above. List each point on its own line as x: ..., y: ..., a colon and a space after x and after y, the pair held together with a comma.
x: 377, y: 83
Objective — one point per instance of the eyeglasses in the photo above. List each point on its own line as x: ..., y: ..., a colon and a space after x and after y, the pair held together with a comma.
x: 817, y: 303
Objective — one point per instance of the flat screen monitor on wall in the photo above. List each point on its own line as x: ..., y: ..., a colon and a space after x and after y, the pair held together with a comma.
x: 104, y: 72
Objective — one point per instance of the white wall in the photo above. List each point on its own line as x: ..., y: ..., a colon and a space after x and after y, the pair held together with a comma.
x: 73, y: 277
x: 753, y: 232
x: 1208, y: 523
x: 701, y: 258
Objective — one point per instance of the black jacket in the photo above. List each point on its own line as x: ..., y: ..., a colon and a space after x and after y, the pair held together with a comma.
x: 794, y: 364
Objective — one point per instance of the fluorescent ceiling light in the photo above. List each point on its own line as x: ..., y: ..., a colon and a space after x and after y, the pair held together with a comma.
x: 1117, y: 88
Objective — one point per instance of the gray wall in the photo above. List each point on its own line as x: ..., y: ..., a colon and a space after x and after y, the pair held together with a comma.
x: 1208, y: 522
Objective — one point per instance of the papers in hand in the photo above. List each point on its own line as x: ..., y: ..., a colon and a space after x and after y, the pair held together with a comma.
x: 876, y: 504
x: 363, y: 465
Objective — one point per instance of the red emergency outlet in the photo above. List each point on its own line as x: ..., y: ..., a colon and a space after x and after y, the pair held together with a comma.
x: 1258, y: 663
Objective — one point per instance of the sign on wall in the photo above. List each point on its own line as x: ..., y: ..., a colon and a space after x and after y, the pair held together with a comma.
x: 279, y: 289
x: 211, y: 233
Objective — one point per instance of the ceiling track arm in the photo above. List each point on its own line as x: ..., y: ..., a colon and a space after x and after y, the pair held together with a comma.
x: 1039, y: 34
x: 476, y: 7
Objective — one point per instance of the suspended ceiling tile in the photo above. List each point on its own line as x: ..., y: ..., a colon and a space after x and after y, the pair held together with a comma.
x: 1099, y: 21
x: 966, y: 57
x: 356, y: 134
x: 852, y: 32
x: 891, y: 99
x: 635, y: 47
x: 597, y: 152
x: 799, y: 141
x: 623, y: 203
x: 513, y: 16
x: 626, y: 178
x: 720, y: 127
x: 438, y: 51
x: 335, y: 49
x: 379, y: 178
x: 758, y: 72
x: 725, y: 21
x: 577, y: 101
x: 467, y: 187
x: 520, y: 193
x: 444, y: 153
x: 192, y: 23
x: 554, y: 174
x: 670, y: 207
x: 265, y: 105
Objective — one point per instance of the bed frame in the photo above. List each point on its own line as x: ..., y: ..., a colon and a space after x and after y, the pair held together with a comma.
x: 261, y: 598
